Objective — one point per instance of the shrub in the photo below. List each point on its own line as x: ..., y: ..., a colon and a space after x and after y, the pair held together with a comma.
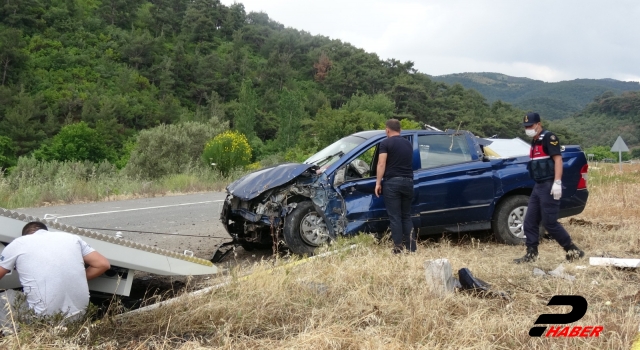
x: 408, y: 124
x: 272, y: 160
x: 228, y: 151
x: 76, y: 142
x: 604, y: 152
x: 127, y: 149
x: 170, y: 149
x: 30, y: 171
x: 298, y: 155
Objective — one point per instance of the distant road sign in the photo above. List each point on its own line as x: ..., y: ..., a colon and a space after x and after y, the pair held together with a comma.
x: 619, y: 146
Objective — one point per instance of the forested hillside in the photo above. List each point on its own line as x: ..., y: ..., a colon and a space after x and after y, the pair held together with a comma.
x: 553, y: 100
x: 607, y: 117
x: 121, y: 66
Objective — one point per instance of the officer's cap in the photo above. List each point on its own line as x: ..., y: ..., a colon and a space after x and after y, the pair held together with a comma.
x: 531, y: 118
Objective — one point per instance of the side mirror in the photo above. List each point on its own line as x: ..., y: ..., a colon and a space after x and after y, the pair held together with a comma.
x: 339, y: 178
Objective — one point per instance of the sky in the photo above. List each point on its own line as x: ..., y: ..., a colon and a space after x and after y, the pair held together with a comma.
x: 548, y: 40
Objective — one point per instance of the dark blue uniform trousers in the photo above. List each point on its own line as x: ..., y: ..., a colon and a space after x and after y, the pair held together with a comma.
x: 543, y: 208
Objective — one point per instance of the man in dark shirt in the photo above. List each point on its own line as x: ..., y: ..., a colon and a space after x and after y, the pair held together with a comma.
x: 545, y: 168
x: 395, y: 166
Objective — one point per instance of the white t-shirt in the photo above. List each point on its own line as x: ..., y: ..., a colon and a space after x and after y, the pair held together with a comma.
x: 51, y: 269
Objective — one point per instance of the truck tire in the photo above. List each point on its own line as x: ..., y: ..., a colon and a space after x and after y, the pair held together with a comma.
x: 304, y: 229
x: 508, y: 220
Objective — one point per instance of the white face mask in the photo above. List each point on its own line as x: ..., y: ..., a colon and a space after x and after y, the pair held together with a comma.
x: 530, y: 132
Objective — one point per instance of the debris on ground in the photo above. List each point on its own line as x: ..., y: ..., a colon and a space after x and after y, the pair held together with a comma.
x: 616, y: 262
x: 538, y: 272
x: 439, y: 276
x: 316, y: 287
x: 558, y: 273
x: 476, y: 285
x: 441, y: 282
x: 597, y: 225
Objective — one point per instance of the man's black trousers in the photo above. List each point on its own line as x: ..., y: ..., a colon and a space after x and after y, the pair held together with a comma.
x: 398, y: 194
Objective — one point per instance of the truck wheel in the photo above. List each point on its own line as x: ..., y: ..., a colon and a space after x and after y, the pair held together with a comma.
x: 304, y: 229
x: 508, y: 220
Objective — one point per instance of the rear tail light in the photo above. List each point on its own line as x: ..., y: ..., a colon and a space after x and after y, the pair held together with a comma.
x: 582, y: 184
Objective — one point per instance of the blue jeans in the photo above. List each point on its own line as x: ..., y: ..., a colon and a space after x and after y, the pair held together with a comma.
x: 397, y: 193
x: 542, y: 208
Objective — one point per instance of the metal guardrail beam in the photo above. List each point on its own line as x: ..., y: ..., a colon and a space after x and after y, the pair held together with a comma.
x: 121, y: 253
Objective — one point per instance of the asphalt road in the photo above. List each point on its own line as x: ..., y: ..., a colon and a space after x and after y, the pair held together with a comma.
x: 176, y: 216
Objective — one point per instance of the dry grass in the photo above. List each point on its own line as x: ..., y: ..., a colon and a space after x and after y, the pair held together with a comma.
x: 367, y: 298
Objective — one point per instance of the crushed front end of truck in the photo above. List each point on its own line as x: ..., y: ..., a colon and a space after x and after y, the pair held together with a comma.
x: 257, y: 205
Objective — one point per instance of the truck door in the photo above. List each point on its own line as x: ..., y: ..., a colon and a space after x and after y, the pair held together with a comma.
x: 453, y: 186
x: 364, y: 211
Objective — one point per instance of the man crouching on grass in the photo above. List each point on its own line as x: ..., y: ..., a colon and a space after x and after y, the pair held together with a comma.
x: 52, y: 272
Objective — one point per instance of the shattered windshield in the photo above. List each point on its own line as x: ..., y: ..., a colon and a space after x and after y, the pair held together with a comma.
x: 334, y: 151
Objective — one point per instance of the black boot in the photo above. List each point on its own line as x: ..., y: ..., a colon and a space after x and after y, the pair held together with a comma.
x: 530, y: 256
x: 573, y: 252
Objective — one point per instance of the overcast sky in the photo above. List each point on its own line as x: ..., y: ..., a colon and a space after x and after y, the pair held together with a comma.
x: 549, y: 40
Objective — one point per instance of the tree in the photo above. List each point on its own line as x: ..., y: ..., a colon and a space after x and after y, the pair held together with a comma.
x: 76, y: 142
x: 331, y: 125
x: 378, y: 103
x: 25, y: 122
x: 119, y: 13
x: 291, y: 113
x: 245, y: 115
x: 140, y: 49
x: 202, y: 20
x: 23, y: 14
x: 7, y: 153
x: 167, y: 16
x: 233, y: 20
x: 322, y: 67
x: 12, y: 55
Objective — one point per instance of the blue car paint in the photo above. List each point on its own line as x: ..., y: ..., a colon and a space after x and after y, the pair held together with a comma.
x: 458, y: 197
x: 257, y: 182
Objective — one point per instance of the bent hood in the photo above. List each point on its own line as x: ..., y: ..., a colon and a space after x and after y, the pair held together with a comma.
x: 252, y: 185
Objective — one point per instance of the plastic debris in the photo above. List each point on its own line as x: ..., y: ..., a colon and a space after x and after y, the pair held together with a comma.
x: 538, y: 272
x: 439, y: 277
x: 319, y: 288
x: 630, y: 263
x: 559, y: 272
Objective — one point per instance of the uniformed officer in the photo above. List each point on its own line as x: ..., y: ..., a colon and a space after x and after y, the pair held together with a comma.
x: 545, y: 168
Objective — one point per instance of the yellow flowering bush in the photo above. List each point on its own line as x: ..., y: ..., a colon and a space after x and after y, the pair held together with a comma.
x: 254, y: 166
x: 227, y: 151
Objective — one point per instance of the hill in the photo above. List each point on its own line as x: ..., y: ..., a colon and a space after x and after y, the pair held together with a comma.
x: 125, y: 66
x: 553, y: 100
x: 607, y: 117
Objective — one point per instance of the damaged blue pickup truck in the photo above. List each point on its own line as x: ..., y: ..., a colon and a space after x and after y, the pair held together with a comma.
x: 462, y: 183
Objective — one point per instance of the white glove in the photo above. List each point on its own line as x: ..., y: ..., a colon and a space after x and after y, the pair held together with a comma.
x: 556, y: 191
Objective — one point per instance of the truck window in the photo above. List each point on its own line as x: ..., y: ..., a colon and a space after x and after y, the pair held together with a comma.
x: 441, y: 150
x: 362, y: 166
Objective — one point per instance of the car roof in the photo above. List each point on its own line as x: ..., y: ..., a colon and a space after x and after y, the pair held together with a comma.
x: 373, y: 133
